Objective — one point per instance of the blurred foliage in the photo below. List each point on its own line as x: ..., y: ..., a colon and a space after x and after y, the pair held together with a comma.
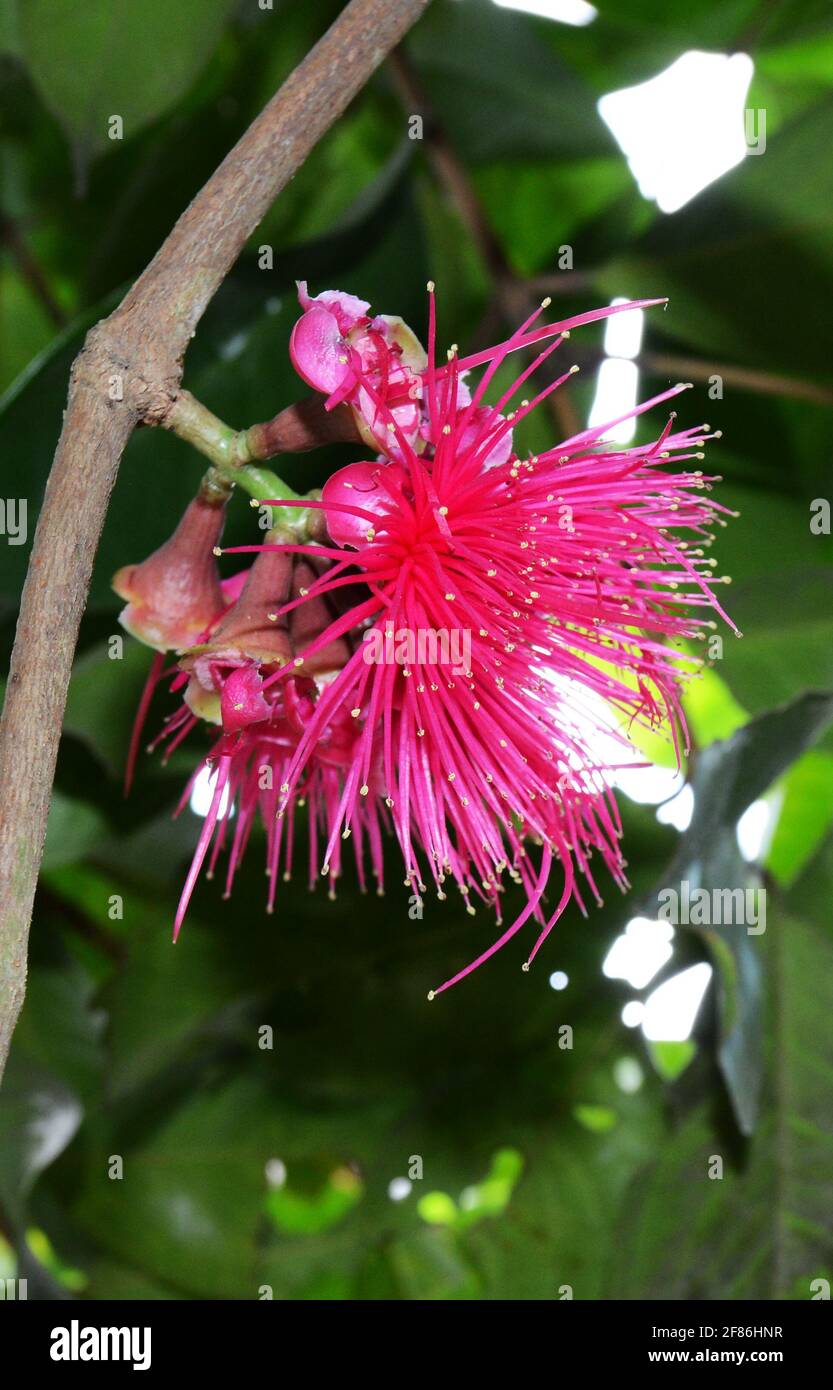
x: 526, y: 1168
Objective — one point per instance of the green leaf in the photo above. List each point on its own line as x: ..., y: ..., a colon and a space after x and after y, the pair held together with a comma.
x: 188, y: 1208
x: 9, y: 35
x: 350, y: 172
x: 761, y: 1229
x: 429, y: 1266
x: 787, y: 646
x: 597, y: 1118
x: 711, y: 25
x: 728, y: 777
x: 112, y: 1281
x: 672, y: 1058
x: 732, y: 774
x: 805, y: 815
x: 39, y: 1117
x: 25, y: 326
x: 711, y: 710
x: 73, y: 830
x: 165, y: 999
x: 498, y: 91
x: 110, y: 58
x: 61, y: 1028
x: 518, y: 198
x: 301, y: 1213
x: 103, y: 697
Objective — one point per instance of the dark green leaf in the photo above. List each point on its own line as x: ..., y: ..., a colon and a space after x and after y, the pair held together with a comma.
x: 102, y: 59
x: 728, y: 777
x: 759, y: 1228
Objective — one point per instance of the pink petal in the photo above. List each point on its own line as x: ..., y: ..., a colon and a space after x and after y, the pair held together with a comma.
x: 242, y: 702
x: 318, y: 351
x: 347, y: 308
x: 358, y: 487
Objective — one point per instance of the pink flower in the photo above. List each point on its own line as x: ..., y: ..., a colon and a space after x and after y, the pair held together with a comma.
x: 573, y: 574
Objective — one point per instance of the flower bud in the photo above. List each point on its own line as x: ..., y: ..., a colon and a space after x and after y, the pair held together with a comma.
x: 252, y: 631
x: 253, y: 627
x: 174, y: 596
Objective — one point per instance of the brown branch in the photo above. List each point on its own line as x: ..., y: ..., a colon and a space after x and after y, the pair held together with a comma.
x: 678, y: 367
x: 129, y: 372
x: 449, y: 169
x: 561, y: 282
x: 744, y: 378
x: 30, y: 269
x: 74, y: 920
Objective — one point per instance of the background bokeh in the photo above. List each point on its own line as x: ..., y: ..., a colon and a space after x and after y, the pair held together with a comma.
x: 384, y: 1147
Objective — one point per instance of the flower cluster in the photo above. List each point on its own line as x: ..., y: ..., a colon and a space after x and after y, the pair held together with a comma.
x: 577, y: 575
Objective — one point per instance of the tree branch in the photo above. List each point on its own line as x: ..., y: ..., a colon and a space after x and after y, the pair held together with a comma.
x: 679, y: 367
x: 744, y: 378
x: 30, y: 269
x: 129, y: 371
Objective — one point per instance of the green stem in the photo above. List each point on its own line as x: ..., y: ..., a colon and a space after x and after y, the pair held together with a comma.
x: 198, y: 426
x: 232, y: 460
